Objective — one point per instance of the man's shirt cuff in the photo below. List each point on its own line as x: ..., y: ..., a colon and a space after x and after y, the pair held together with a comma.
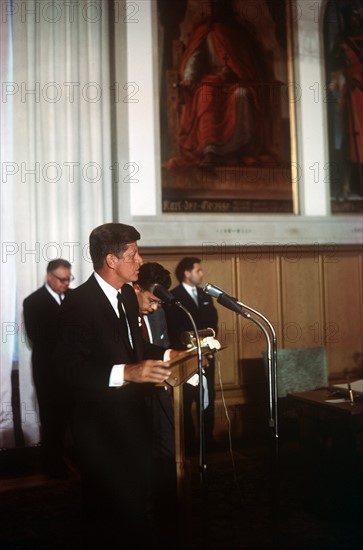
x: 117, y: 376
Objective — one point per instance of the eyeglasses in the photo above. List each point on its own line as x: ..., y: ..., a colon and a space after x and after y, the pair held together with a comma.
x: 64, y: 279
x: 151, y: 301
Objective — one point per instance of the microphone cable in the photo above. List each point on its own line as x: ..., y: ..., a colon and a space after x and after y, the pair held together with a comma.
x: 231, y: 452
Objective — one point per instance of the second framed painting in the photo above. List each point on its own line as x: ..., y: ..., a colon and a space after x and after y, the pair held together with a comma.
x: 226, y: 106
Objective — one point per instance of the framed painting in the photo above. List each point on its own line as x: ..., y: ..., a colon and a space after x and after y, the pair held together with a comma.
x: 226, y: 106
x: 343, y: 36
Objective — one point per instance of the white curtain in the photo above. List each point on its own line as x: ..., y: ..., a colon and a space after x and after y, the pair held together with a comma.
x: 56, y: 183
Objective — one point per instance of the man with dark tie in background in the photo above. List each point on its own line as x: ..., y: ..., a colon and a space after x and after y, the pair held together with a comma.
x: 189, y: 273
x: 154, y: 327
x: 41, y: 312
x: 103, y: 358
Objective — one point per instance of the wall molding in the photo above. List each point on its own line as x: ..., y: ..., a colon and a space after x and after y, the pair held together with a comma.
x: 190, y: 230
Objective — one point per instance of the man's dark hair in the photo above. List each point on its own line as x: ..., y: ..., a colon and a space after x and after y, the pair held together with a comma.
x: 54, y: 264
x: 110, y: 238
x: 186, y: 264
x: 152, y: 273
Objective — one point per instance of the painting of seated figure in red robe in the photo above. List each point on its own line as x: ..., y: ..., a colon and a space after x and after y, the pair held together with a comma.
x: 224, y: 111
x: 343, y: 30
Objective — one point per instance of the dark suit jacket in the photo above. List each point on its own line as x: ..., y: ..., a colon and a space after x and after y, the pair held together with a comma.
x: 204, y: 316
x: 159, y: 329
x: 41, y: 317
x: 162, y: 406
x: 111, y: 425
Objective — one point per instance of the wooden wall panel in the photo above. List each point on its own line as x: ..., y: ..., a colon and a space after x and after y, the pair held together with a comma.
x: 343, y: 303
x: 258, y: 288
x: 302, y: 298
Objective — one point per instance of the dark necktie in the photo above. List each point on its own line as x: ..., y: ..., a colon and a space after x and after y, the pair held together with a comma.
x: 122, y: 314
x: 145, y: 332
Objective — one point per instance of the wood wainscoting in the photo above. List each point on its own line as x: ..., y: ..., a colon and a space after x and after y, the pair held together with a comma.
x: 311, y: 294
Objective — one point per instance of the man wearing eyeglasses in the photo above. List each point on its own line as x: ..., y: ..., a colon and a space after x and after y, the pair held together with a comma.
x: 41, y: 311
x: 154, y: 330
x: 152, y: 317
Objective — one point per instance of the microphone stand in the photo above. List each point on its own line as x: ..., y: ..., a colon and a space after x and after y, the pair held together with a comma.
x: 272, y: 371
x: 238, y: 307
x: 202, y: 464
x: 273, y: 405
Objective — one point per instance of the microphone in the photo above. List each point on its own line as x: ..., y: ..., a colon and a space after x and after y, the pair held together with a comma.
x: 163, y: 294
x: 225, y: 299
x: 213, y: 290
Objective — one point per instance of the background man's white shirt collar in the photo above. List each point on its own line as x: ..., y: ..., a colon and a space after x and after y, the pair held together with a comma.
x: 54, y: 295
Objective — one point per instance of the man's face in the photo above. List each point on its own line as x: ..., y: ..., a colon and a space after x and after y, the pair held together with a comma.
x: 195, y: 276
x: 127, y: 267
x: 59, y: 279
x: 148, y: 302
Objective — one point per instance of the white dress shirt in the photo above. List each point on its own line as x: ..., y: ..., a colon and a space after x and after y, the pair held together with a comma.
x: 192, y: 291
x: 117, y: 373
x: 58, y: 298
x: 194, y: 380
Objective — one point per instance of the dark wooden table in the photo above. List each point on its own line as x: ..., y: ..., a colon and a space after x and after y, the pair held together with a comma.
x: 328, y: 427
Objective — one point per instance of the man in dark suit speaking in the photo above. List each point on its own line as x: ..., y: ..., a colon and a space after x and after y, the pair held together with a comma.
x: 41, y: 312
x: 102, y: 356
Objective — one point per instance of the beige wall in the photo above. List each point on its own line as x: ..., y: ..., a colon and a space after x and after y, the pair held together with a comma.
x: 312, y: 296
